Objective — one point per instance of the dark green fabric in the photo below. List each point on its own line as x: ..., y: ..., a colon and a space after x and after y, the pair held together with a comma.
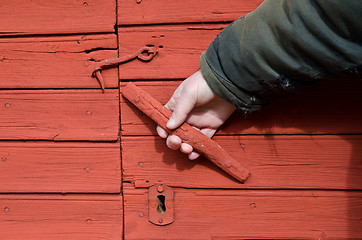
x: 282, y: 44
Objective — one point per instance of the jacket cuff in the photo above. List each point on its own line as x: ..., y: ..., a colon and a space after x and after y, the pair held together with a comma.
x: 224, y: 88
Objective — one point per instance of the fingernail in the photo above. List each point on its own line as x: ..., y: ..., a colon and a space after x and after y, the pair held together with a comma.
x: 193, y: 155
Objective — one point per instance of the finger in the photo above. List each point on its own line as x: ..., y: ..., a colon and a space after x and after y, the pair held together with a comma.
x: 194, y: 155
x: 161, y: 132
x: 184, y: 105
x: 186, y: 148
x: 173, y: 142
x: 208, y: 132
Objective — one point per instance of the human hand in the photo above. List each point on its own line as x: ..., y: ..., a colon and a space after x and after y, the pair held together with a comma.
x: 195, y: 102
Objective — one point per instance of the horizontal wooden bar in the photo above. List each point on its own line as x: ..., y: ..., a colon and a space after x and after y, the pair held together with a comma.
x: 22, y: 17
x: 61, y: 217
x: 244, y: 214
x: 278, y: 162
x: 187, y: 11
x: 57, y: 61
x: 178, y: 56
x: 59, y: 115
x: 327, y: 107
x: 59, y: 167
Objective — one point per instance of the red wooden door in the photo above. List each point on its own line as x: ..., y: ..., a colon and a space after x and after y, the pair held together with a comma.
x: 76, y: 163
x: 59, y: 147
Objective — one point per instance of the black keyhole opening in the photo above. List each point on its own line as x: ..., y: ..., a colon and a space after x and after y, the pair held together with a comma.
x: 161, y: 208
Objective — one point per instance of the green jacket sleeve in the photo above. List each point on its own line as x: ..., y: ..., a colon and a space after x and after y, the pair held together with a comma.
x: 283, y: 44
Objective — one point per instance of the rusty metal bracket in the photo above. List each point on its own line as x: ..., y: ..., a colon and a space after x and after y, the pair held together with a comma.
x: 145, y: 54
x: 160, y: 205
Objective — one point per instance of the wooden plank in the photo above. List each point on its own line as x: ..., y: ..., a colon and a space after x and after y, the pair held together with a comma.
x: 245, y: 214
x: 307, y: 110
x: 23, y: 17
x: 59, y: 167
x: 179, y: 55
x: 189, y: 11
x: 59, y: 115
x: 56, y: 62
x: 287, y: 162
x: 61, y: 217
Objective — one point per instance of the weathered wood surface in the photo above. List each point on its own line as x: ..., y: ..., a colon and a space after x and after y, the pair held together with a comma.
x: 308, y: 110
x: 60, y: 217
x: 56, y: 61
x: 60, y: 167
x: 178, y: 57
x: 24, y: 17
x: 59, y: 115
x: 245, y: 214
x: 288, y: 162
x: 190, y: 11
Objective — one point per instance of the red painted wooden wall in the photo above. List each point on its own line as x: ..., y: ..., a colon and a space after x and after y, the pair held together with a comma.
x: 76, y: 163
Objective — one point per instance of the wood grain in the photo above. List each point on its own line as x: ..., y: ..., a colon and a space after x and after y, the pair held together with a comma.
x: 22, y: 17
x: 307, y: 110
x: 56, y: 62
x: 189, y: 11
x: 59, y: 115
x: 245, y: 214
x: 59, y: 167
x: 178, y: 57
x: 77, y: 217
x: 288, y: 162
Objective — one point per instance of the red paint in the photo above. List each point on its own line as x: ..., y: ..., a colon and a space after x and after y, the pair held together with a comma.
x: 56, y: 47
x: 186, y: 11
x: 282, y: 161
x: 201, y: 143
x: 59, y: 217
x: 179, y: 56
x: 59, y: 167
x: 59, y: 115
x: 56, y: 61
x: 57, y: 17
x: 247, y: 214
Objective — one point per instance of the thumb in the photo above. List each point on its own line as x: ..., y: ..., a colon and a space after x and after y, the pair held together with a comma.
x: 184, y: 105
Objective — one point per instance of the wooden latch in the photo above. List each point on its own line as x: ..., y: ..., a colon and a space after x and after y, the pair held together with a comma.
x: 200, y: 142
x: 160, y: 205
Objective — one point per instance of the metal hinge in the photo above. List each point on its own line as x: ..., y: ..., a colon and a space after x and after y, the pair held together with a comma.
x: 160, y: 205
x: 145, y: 54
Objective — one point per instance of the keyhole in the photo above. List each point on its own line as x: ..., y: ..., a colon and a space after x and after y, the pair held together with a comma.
x: 161, y: 208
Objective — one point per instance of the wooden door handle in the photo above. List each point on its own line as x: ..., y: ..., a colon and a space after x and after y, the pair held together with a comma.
x: 200, y: 142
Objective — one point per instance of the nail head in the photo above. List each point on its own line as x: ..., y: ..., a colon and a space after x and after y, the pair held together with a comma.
x: 160, y: 189
x: 137, y: 98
